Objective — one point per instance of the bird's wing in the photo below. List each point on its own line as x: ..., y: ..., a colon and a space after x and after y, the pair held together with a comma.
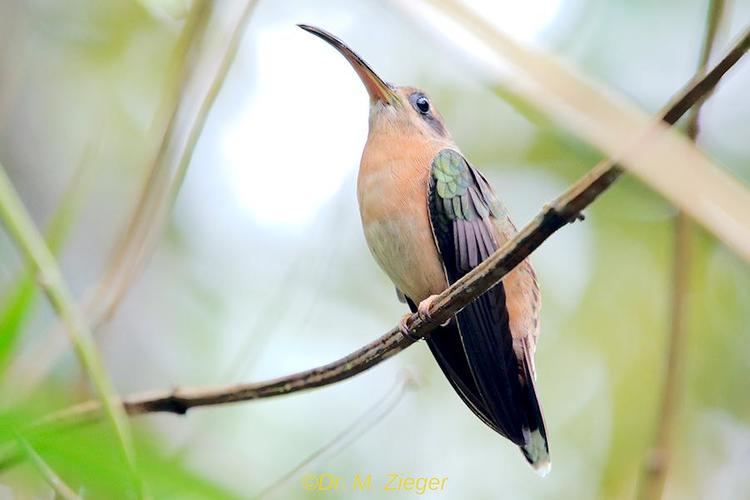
x: 445, y: 344
x: 491, y: 372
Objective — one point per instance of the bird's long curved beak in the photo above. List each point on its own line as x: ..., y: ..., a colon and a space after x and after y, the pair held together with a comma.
x: 376, y: 87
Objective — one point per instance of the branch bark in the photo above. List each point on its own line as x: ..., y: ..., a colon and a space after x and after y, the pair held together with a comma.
x: 565, y: 209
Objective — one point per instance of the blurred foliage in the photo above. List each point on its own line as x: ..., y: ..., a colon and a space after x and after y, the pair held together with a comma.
x: 89, y: 460
x: 227, y: 296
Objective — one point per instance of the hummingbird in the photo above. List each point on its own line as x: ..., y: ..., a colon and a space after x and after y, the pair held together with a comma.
x: 429, y: 217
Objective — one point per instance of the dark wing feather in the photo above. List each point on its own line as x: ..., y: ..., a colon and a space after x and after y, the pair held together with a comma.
x: 445, y: 344
x: 492, y: 378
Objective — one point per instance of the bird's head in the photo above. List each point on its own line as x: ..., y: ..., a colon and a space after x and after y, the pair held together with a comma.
x: 403, y: 109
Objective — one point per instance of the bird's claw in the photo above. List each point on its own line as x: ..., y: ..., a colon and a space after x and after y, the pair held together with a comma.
x: 405, y: 328
x: 423, y: 312
x: 423, y: 309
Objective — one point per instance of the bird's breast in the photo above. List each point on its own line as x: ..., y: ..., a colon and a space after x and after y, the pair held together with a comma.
x: 392, y: 191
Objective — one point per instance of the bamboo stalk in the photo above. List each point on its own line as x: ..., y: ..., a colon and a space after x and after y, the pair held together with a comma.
x: 31, y: 243
x: 668, y: 163
x: 55, y: 482
x: 656, y: 466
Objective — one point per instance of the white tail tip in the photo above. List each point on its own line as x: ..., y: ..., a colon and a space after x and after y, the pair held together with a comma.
x: 536, y: 452
x: 542, y: 468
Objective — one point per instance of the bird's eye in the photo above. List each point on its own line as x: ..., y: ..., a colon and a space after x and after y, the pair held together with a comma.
x: 423, y: 105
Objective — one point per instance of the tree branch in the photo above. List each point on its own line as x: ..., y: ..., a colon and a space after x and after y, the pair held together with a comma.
x: 563, y: 210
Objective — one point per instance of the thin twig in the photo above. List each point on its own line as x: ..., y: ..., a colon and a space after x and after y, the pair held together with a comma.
x: 61, y: 489
x: 563, y: 210
x: 656, y: 465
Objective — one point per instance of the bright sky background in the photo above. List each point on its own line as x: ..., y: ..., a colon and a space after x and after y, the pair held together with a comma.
x: 297, y: 76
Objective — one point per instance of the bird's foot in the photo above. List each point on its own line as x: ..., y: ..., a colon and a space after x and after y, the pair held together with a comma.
x: 405, y: 328
x: 423, y: 309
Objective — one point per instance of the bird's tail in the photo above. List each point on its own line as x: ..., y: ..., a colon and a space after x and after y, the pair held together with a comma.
x: 535, y: 447
x: 536, y: 451
x: 483, y: 367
